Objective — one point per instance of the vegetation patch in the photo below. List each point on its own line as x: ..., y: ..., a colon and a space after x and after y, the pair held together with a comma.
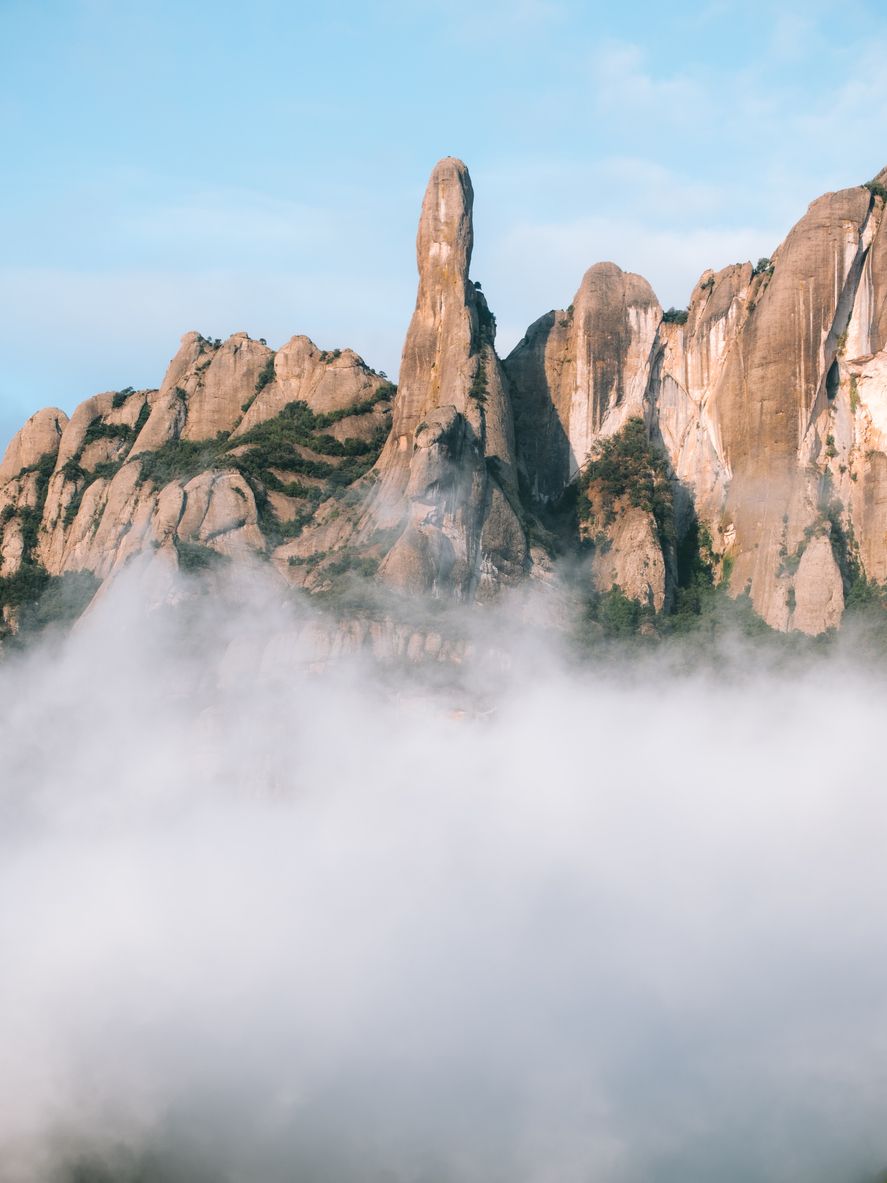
x: 121, y: 396
x: 350, y: 562
x: 37, y: 597
x: 845, y: 548
x: 266, y: 376
x: 616, y: 615
x: 676, y: 316
x: 384, y: 394
x: 25, y: 586
x: 486, y: 321
x: 73, y: 506
x: 274, y: 445
x: 696, y: 569
x: 180, y: 459
x: 702, y: 610
x: 99, y: 430
x: 41, y: 599
x: 626, y: 467
x: 73, y: 469
x: 271, y: 447
x: 194, y: 557
x: 30, y: 517
x: 478, y: 390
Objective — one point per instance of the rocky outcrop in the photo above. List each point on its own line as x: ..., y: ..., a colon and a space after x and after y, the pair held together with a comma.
x: 447, y: 477
x: 765, y: 395
x: 207, y: 389
x: 226, y: 459
x: 441, y: 514
x: 688, y: 366
x: 815, y: 600
x: 752, y: 401
x: 771, y: 404
x: 756, y: 419
x: 632, y: 559
x: 39, y: 437
x: 579, y: 374
x: 329, y: 382
x: 24, y: 476
x: 626, y: 517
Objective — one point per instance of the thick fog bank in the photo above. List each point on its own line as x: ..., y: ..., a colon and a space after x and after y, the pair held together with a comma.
x: 532, y: 922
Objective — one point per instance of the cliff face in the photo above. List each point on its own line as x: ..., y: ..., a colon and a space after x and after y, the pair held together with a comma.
x: 447, y: 473
x: 765, y: 396
x: 759, y: 415
x: 439, y: 513
x: 751, y: 398
x: 580, y: 374
x: 233, y: 453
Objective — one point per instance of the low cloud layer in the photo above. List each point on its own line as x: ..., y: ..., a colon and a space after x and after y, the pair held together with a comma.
x: 529, y: 921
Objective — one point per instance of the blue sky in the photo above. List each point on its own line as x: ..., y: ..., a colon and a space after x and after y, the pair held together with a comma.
x: 173, y: 166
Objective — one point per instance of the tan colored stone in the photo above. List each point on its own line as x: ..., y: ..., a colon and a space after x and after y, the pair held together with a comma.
x: 217, y: 392
x: 448, y: 469
x: 818, y: 589
x: 770, y: 403
x: 325, y: 380
x: 578, y: 375
x: 633, y: 560
x: 39, y: 437
x: 220, y: 511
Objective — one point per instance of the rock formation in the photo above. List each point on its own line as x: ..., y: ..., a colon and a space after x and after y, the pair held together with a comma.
x: 764, y: 396
x: 579, y: 375
x: 233, y: 453
x: 447, y: 472
x: 443, y: 516
x: 756, y: 419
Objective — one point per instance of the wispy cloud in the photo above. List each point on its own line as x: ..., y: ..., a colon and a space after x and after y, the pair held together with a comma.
x: 621, y: 80
x: 547, y: 261
x: 104, y: 330
x: 695, y: 139
x: 237, y: 220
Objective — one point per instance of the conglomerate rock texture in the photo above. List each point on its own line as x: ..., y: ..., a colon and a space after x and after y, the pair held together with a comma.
x: 767, y: 399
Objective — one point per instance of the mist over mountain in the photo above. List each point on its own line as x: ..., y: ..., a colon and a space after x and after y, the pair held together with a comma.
x: 472, y: 779
x: 506, y: 917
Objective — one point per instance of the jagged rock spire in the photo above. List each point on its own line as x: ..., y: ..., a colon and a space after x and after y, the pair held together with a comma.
x: 449, y: 461
x: 451, y: 323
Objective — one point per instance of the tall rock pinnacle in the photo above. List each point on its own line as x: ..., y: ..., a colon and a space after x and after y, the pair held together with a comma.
x: 759, y: 414
x: 441, y: 332
x: 447, y: 472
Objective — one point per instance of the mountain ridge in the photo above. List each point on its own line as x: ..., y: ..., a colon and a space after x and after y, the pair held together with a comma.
x: 763, y: 413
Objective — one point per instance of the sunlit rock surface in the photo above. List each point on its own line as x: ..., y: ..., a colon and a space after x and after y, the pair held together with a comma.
x: 767, y: 397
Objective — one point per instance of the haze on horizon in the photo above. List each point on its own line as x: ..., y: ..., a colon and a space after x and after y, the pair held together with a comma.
x: 179, y: 169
